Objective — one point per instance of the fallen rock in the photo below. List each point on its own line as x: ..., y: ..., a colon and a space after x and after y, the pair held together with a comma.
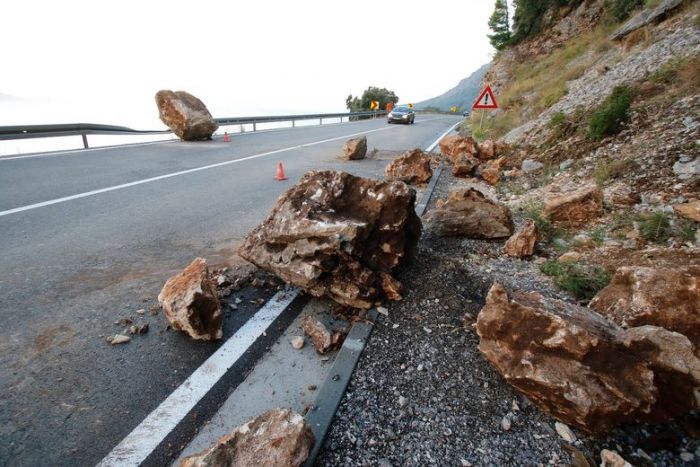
x: 119, y: 339
x: 297, y: 342
x: 454, y: 146
x: 620, y: 195
x: 277, y: 438
x: 565, y: 432
x: 491, y: 171
x: 333, y: 234
x: 689, y: 210
x: 467, y: 212
x: 355, y: 148
x: 582, y: 369
x: 412, y: 167
x: 185, y: 115
x: 392, y: 288
x: 530, y: 165
x: 489, y: 149
x: 464, y: 165
x: 612, y: 459
x: 321, y: 337
x: 570, y: 257
x: 190, y: 302
x: 575, y: 208
x: 664, y: 297
x: 522, y: 242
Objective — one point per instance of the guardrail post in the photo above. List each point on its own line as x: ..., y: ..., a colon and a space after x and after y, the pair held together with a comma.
x: 254, y: 127
x: 85, y: 143
x: 294, y: 123
x: 320, y: 121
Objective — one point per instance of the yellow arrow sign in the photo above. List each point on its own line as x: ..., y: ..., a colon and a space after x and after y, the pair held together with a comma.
x: 453, y: 108
x: 374, y: 105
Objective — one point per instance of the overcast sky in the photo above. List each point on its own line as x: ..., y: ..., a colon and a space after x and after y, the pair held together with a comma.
x: 102, y: 62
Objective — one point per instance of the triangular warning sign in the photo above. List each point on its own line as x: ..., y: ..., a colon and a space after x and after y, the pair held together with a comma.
x: 486, y: 100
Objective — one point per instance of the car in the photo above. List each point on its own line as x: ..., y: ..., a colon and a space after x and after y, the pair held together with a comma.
x: 402, y: 113
x: 465, y: 113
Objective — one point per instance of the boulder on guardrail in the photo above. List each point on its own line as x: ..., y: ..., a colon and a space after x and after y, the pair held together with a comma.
x: 338, y: 235
x: 185, y: 115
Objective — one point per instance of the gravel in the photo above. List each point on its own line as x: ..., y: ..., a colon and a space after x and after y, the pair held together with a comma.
x: 422, y: 394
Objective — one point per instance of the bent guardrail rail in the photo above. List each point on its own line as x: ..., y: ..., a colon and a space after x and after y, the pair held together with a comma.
x: 84, y: 129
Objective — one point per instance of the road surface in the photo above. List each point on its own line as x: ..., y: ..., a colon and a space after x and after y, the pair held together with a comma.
x: 88, y: 237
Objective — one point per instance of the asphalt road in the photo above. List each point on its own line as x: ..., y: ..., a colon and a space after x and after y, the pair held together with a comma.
x: 85, y: 257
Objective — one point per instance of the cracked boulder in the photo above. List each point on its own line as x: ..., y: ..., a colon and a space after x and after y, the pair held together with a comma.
x: 582, y: 369
x: 277, y: 438
x: 664, y: 297
x: 575, y: 208
x: 468, y: 213
x: 355, y: 148
x: 464, y: 165
x: 412, y: 167
x: 522, y: 243
x: 185, y: 115
x: 191, y: 304
x: 337, y: 235
x: 454, y: 146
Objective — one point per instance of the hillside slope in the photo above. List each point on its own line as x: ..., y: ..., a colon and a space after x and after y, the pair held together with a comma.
x: 462, y: 95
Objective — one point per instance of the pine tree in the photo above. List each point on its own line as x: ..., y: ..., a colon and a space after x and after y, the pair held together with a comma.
x: 500, y: 25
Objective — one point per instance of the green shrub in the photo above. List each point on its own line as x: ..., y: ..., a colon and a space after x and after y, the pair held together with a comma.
x: 655, y: 227
x: 610, y: 169
x: 609, y: 117
x: 545, y: 230
x: 620, y: 10
x: 584, y: 282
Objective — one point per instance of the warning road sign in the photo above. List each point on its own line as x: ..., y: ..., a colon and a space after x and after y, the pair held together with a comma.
x: 486, y: 100
x: 374, y: 105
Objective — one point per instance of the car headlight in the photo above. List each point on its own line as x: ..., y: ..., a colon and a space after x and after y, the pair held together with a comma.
x: 404, y: 116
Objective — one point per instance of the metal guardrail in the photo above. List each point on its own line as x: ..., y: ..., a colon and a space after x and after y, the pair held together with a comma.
x: 84, y: 129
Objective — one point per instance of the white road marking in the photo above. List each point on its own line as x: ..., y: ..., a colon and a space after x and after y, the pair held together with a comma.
x: 177, y: 174
x: 432, y: 146
x: 146, y: 437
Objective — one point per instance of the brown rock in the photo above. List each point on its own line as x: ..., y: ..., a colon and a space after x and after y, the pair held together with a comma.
x: 355, y: 148
x: 689, y: 210
x: 185, y: 115
x: 612, y: 459
x: 582, y: 369
x: 454, y: 146
x: 391, y: 287
x: 333, y: 234
x: 620, y: 195
x: 491, y: 171
x: 411, y: 167
x: 489, y: 149
x: 522, y: 242
x: 321, y: 337
x: 569, y: 257
x: 575, y: 208
x: 277, y: 438
x: 464, y: 165
x: 469, y: 213
x: 190, y: 302
x: 668, y: 298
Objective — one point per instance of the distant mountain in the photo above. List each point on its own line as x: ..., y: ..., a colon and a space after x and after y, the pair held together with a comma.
x: 463, y: 95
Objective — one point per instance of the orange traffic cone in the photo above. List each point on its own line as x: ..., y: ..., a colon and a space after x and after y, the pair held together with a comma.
x: 280, y: 172
x: 227, y: 138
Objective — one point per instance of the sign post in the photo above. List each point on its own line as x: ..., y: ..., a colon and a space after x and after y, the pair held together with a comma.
x: 486, y: 100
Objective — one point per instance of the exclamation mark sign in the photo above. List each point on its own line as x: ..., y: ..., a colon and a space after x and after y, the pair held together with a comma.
x: 486, y: 99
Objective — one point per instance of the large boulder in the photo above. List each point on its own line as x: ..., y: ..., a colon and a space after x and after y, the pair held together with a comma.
x: 575, y: 208
x: 355, y: 149
x: 464, y: 165
x: 522, y: 243
x: 664, y: 297
x: 191, y: 304
x: 277, y: 438
x: 582, y: 369
x: 491, y: 170
x: 454, y: 146
x: 411, y: 167
x: 336, y: 235
x: 490, y: 149
x: 467, y: 212
x: 185, y: 115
